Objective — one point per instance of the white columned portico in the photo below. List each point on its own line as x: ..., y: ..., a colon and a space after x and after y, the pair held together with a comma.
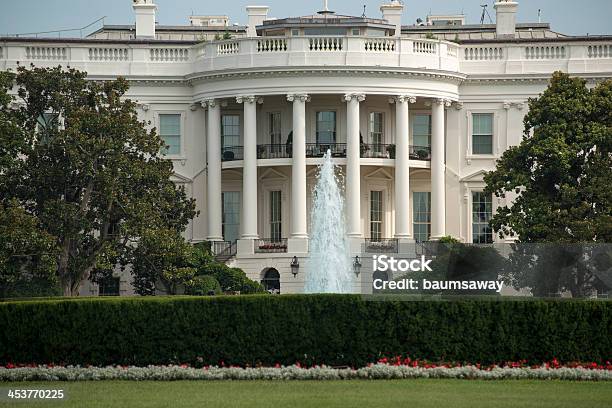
x: 299, y: 232
x: 402, y: 167
x: 249, y: 170
x: 438, y: 168
x: 213, y: 182
x: 353, y: 170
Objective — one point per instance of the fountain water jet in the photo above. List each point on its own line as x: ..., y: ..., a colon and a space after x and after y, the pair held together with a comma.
x: 328, y: 269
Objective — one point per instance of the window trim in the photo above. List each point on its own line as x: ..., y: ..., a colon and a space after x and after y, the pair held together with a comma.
x: 182, y: 121
x: 413, y: 208
x: 382, y: 213
x: 412, y: 117
x: 494, y: 137
x: 478, y: 187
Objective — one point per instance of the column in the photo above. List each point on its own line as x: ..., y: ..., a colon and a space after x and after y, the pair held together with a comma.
x: 298, y: 168
x: 249, y: 169
x: 353, y: 170
x: 438, y: 167
x: 213, y: 157
x: 402, y: 167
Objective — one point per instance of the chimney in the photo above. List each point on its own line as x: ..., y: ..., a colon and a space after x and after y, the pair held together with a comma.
x: 257, y: 15
x: 506, y: 18
x: 145, y: 18
x: 392, y: 12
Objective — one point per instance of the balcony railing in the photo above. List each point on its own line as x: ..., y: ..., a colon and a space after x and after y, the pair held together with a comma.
x: 223, y: 248
x: 382, y: 245
x: 420, y: 153
x: 319, y: 149
x: 274, y: 151
x: 270, y: 245
x: 377, y: 151
x: 231, y: 153
x: 314, y: 150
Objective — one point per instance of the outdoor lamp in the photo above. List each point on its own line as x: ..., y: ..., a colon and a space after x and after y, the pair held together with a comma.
x: 357, y: 265
x: 295, y: 266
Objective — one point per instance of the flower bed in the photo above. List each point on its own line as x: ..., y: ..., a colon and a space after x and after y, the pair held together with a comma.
x: 378, y: 371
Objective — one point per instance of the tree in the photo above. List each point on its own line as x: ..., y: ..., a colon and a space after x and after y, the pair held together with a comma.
x: 27, y: 254
x: 562, y: 169
x: 561, y: 174
x: 74, y: 155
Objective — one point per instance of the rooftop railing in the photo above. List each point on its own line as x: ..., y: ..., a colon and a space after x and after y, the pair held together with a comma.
x: 129, y: 58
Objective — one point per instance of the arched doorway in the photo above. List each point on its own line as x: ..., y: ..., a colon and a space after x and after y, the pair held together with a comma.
x: 271, y: 280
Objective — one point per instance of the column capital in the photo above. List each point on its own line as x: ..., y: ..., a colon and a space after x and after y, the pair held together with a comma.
x: 209, y: 103
x: 444, y: 102
x: 359, y: 97
x: 402, y: 99
x: 249, y: 99
x: 302, y: 97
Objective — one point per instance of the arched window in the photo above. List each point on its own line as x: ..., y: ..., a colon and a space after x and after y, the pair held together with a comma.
x: 271, y: 281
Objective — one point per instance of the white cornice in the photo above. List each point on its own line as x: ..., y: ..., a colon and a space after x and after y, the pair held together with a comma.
x: 452, y: 77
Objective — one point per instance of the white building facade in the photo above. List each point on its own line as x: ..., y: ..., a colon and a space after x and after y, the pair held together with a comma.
x: 414, y: 115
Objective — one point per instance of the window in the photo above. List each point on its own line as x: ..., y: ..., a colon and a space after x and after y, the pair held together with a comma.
x: 274, y: 124
x: 271, y: 281
x: 376, y: 130
x: 356, y: 31
x: 421, y: 216
x: 170, y: 132
x: 482, y: 133
x: 326, y: 127
x: 109, y: 286
x: 295, y: 33
x: 230, y: 130
x: 482, y: 211
x: 376, y: 215
x: 421, y: 130
x: 275, y: 216
x: 46, y: 123
x: 231, y: 215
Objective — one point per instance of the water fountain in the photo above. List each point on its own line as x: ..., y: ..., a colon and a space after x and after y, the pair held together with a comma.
x: 328, y: 270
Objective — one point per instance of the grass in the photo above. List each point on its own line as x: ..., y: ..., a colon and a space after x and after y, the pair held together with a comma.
x: 341, y: 394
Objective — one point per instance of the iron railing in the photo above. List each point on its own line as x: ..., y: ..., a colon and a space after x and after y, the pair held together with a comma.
x: 270, y: 245
x: 377, y: 151
x: 381, y: 245
x: 420, y: 153
x: 274, y: 151
x: 231, y: 153
x: 223, y: 248
x: 319, y: 149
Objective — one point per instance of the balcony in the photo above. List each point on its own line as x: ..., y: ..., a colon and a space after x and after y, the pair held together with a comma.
x: 274, y: 151
x: 270, y: 246
x: 319, y: 149
x: 231, y: 153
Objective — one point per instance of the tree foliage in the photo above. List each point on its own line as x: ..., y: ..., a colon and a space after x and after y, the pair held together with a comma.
x: 562, y: 169
x: 75, y: 155
x: 27, y: 254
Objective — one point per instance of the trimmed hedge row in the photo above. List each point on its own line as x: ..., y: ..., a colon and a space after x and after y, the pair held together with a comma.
x: 312, y: 329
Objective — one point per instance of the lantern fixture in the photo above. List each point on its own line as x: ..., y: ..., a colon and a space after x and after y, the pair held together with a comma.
x: 295, y: 266
x: 357, y: 265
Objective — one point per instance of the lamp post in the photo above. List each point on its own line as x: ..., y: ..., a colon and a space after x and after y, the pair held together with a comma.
x: 357, y: 265
x: 295, y: 266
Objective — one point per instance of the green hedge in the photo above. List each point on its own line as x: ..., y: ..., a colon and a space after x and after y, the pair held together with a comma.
x: 312, y: 329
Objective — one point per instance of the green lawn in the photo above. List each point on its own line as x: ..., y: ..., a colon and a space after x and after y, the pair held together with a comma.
x: 344, y: 394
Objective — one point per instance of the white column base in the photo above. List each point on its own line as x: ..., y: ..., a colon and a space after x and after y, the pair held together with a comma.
x: 297, y: 246
x: 356, y: 245
x: 245, y: 247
